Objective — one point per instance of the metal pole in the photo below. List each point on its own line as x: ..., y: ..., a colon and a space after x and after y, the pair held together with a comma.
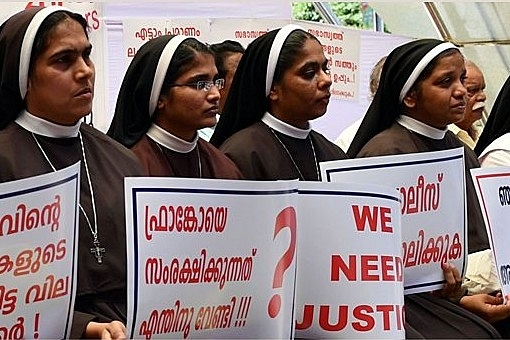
x: 326, y: 13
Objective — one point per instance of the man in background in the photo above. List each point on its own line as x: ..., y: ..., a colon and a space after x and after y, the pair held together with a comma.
x: 226, y: 57
x: 465, y: 129
x: 345, y: 138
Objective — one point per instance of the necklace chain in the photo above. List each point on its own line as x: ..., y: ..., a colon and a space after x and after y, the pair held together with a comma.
x: 292, y: 158
x: 97, y: 251
x: 198, y: 155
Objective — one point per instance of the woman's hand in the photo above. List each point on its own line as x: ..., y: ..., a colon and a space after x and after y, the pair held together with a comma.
x: 490, y: 308
x: 452, y: 289
x: 106, y: 331
x: 453, y: 285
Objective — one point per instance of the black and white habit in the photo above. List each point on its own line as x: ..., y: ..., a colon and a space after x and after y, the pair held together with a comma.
x: 262, y: 146
x: 32, y: 146
x: 160, y: 152
x: 385, y: 130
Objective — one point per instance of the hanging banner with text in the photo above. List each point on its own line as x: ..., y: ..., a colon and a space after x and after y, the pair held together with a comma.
x: 341, y: 45
x: 493, y: 190
x: 210, y: 258
x: 433, y: 208
x: 38, y: 256
x: 349, y: 282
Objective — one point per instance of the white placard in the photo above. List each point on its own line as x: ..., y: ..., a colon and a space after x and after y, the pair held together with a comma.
x: 210, y: 258
x: 493, y: 190
x: 243, y: 30
x: 341, y: 47
x: 349, y: 282
x: 38, y: 256
x: 434, y: 217
x: 137, y: 32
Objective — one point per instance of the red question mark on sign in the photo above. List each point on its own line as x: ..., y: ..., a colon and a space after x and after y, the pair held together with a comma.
x: 285, y: 219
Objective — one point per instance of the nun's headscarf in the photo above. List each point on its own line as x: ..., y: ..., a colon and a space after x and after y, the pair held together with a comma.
x: 17, y: 35
x: 138, y: 96
x: 498, y: 122
x: 401, y: 69
x: 247, y: 101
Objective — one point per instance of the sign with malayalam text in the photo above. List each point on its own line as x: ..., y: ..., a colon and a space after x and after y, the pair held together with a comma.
x: 38, y: 256
x: 211, y: 258
x: 493, y: 190
x: 433, y: 208
x: 340, y: 45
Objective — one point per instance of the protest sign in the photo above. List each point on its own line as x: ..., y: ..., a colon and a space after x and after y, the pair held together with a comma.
x: 492, y: 187
x: 210, y: 258
x: 433, y: 196
x: 349, y: 281
x: 38, y: 235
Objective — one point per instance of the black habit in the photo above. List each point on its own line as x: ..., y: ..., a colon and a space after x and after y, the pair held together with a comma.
x: 427, y: 316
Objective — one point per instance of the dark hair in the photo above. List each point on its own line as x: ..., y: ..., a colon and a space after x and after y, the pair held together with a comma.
x: 47, y: 26
x: 182, y: 58
x: 290, y: 52
x: 247, y: 100
x: 222, y: 51
x: 427, y: 71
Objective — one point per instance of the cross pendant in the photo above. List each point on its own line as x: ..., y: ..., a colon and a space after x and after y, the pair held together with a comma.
x: 98, y: 251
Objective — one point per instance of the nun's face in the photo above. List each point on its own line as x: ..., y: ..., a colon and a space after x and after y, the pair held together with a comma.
x: 184, y: 109
x: 441, y: 98
x: 61, y: 84
x: 303, y: 92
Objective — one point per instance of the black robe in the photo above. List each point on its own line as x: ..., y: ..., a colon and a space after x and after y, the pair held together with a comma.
x: 428, y: 316
x: 260, y: 155
x: 160, y: 161
x: 101, y: 288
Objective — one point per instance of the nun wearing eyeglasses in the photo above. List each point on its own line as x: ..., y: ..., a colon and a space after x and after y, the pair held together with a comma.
x: 169, y: 92
x: 282, y: 82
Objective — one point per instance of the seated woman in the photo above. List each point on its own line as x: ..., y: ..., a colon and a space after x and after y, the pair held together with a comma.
x: 281, y: 83
x: 169, y: 92
x: 47, y: 87
x: 421, y: 91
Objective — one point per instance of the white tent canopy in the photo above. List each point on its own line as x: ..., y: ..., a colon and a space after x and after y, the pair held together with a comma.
x: 481, y: 29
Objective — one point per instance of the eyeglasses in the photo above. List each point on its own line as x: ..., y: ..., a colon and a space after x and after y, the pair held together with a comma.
x: 204, y: 85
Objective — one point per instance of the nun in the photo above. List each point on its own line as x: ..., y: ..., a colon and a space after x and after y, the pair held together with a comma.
x: 493, y: 149
x: 282, y: 82
x: 421, y: 91
x: 47, y: 87
x: 169, y: 92
x: 493, y: 146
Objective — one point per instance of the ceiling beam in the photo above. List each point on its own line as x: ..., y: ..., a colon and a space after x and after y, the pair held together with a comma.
x: 438, y: 21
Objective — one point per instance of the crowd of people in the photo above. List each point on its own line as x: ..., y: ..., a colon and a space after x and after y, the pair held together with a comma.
x: 258, y: 103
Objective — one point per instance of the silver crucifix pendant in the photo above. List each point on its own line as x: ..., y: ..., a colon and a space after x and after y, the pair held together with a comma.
x: 98, y: 251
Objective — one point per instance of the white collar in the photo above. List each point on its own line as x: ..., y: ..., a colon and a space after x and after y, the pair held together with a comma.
x: 282, y: 127
x: 46, y: 128
x: 169, y: 141
x: 420, y: 127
